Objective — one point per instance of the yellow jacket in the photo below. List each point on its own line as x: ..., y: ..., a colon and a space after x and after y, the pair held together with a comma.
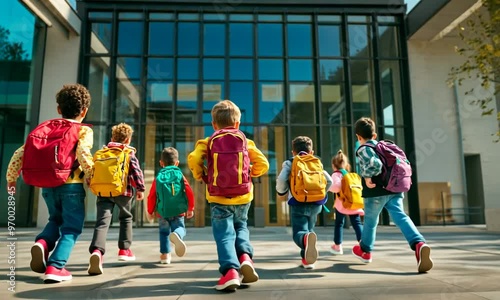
x: 196, y: 163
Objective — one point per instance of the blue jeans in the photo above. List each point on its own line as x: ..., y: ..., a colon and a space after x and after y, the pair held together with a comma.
x: 174, y: 224
x: 66, y: 215
x: 339, y: 227
x: 394, y: 205
x: 303, y: 218
x: 229, y: 227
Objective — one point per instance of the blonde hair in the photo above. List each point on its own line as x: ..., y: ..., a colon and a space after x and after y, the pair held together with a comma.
x: 225, y: 114
x: 340, y: 161
x: 121, y: 132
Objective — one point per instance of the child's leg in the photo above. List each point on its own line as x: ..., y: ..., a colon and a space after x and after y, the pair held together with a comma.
x: 395, y: 208
x: 356, y: 225
x: 178, y: 226
x: 50, y: 234
x: 164, y: 229
x: 373, y: 207
x: 225, y: 236
x: 103, y: 219
x: 125, y: 217
x: 314, y: 211
x: 339, y: 225
x: 72, y: 202
x: 300, y: 225
x: 242, y: 234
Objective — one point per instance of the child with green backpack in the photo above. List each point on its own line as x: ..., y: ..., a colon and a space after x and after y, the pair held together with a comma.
x: 172, y: 198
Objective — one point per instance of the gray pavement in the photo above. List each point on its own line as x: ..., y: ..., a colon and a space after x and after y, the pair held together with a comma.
x: 466, y: 266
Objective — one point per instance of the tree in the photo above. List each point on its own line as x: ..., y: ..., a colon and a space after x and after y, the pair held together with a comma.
x: 480, y: 38
x: 13, y: 51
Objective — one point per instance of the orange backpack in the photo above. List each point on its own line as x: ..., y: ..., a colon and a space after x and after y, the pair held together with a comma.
x: 307, y: 179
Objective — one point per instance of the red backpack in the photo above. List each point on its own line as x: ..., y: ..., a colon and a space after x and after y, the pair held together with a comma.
x: 50, y: 153
x: 228, y: 164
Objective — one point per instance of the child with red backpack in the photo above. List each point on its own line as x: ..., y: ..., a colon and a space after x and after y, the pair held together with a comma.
x: 306, y: 183
x: 341, y: 167
x: 228, y: 176
x: 387, y: 174
x: 172, y: 198
x: 56, y: 157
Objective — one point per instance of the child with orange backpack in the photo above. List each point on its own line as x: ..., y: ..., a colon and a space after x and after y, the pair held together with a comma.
x: 306, y: 184
x: 56, y: 157
x: 345, y: 185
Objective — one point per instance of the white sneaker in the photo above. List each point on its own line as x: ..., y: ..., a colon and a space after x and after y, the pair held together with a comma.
x: 180, y: 247
x: 165, y: 258
x: 336, y: 249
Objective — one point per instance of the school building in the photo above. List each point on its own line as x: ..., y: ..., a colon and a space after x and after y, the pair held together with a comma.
x: 293, y: 67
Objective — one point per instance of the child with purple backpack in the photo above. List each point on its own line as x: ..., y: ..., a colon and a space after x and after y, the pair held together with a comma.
x: 379, y: 161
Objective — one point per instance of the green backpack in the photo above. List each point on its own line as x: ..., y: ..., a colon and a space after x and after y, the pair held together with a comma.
x: 171, y: 199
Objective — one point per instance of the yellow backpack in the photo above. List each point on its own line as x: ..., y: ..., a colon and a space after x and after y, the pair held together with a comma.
x: 351, y: 190
x: 307, y: 179
x: 110, y: 171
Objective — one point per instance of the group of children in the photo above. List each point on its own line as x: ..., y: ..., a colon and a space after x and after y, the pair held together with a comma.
x: 226, y: 161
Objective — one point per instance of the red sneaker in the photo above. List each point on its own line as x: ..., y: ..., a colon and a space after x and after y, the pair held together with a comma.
x: 126, y: 255
x: 247, y: 269
x: 39, y: 256
x: 305, y: 265
x: 365, y: 257
x: 228, y: 282
x: 310, y: 250
x: 55, y: 275
x: 95, y: 263
x: 423, y: 255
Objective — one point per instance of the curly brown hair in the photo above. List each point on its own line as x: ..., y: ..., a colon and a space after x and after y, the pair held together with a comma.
x: 72, y: 99
x: 121, y: 132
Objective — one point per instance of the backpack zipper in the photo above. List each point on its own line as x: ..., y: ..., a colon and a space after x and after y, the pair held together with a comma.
x: 56, y: 154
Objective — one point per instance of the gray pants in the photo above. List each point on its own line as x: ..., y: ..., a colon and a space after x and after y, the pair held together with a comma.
x: 105, y: 206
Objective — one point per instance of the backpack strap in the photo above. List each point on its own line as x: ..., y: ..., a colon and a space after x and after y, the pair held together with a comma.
x: 343, y: 171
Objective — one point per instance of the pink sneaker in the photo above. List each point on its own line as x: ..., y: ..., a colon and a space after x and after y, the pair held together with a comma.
x: 310, y: 251
x: 55, y: 275
x: 423, y: 255
x: 126, y: 255
x: 305, y: 265
x: 95, y: 263
x: 365, y: 257
x: 39, y: 256
x: 336, y: 249
x: 229, y: 282
x: 247, y: 269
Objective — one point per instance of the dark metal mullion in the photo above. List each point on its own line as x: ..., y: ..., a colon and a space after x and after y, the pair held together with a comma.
x: 317, y: 83
x: 143, y: 95
x: 112, y: 71
x: 344, y: 31
x: 174, y: 79
x: 227, y: 77
x: 286, y: 82
x: 255, y: 70
x: 376, y: 76
x: 201, y: 51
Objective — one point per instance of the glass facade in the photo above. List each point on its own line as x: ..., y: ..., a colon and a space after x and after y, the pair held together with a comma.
x: 20, y: 58
x: 162, y: 70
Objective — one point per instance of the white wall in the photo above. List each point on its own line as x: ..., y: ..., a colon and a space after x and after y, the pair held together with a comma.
x: 436, y: 130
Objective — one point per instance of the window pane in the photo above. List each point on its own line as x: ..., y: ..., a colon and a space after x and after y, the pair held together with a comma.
x: 128, y: 67
x: 128, y: 99
x: 329, y: 40
x: 100, y: 42
x: 270, y: 39
x: 214, y: 17
x: 386, y: 19
x: 214, y: 39
x: 161, y: 38
x: 240, y: 17
x: 311, y: 132
x: 300, y: 70
x: 388, y: 45
x: 212, y: 92
x: 241, y: 93
x: 213, y: 69
x: 187, y: 93
x: 100, y: 15
x: 271, y: 103
x: 241, y: 69
x: 333, y: 106
x: 270, y: 18
x: 241, y: 39
x: 302, y: 93
x: 187, y: 39
x: 299, y: 18
x: 299, y: 40
x: 187, y: 68
x: 329, y: 18
x: 160, y: 68
x: 130, y: 37
x: 362, y: 89
x: 392, y: 104
x: 129, y: 15
x: 188, y: 17
x: 98, y: 88
x: 161, y: 16
x: 331, y: 70
x: 159, y: 92
x: 359, y: 19
x: 302, y: 103
x: 270, y: 69
x: 359, y: 40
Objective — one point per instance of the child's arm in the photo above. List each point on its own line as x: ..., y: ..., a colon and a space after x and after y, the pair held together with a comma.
x: 83, y: 154
x: 190, y: 197
x: 369, y: 163
x: 196, y: 159
x: 329, y: 181
x: 337, y: 182
x: 152, y: 198
x: 260, y: 165
x: 14, y: 168
x: 137, y: 176
x: 282, y: 184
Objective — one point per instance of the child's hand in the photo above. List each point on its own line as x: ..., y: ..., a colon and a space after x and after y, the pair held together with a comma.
x: 150, y: 217
x: 369, y: 183
x: 190, y: 214
x: 140, y: 196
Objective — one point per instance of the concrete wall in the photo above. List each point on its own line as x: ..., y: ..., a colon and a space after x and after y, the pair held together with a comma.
x: 439, y: 156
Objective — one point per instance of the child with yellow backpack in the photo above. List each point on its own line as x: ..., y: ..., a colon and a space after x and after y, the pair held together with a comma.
x: 115, y: 174
x: 347, y: 189
x: 306, y: 183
